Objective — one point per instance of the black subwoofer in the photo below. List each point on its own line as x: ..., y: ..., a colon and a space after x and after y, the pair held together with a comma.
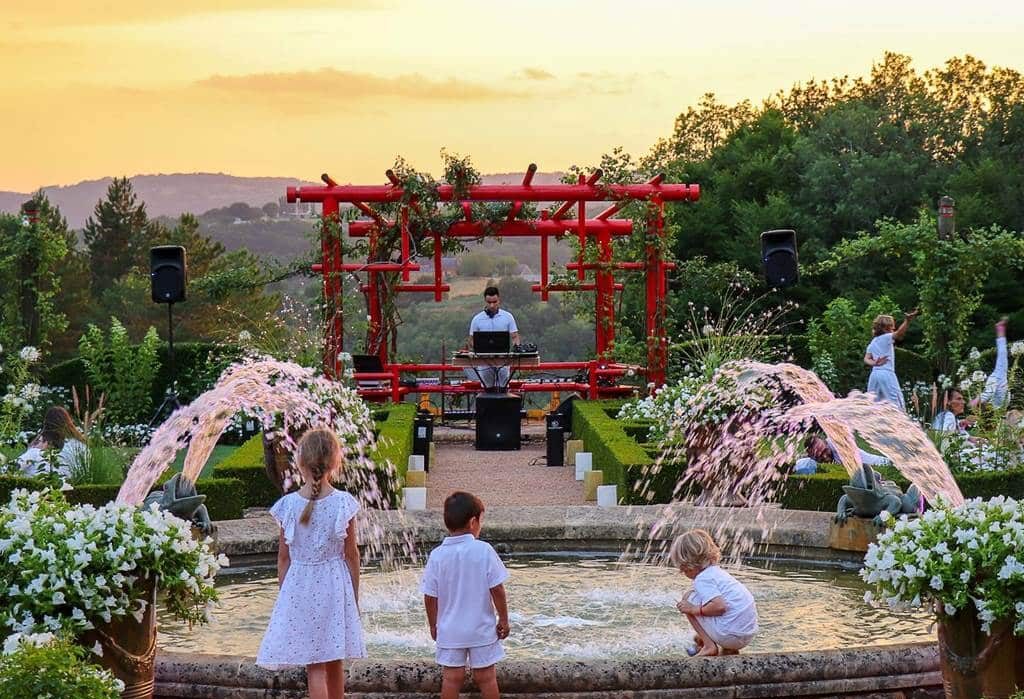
x: 497, y: 421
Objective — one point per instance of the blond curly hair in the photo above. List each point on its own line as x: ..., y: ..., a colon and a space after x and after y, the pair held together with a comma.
x: 883, y: 324
x: 694, y: 549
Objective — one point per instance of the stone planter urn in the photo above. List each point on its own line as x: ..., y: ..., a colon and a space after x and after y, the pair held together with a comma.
x: 975, y: 664
x: 129, y: 647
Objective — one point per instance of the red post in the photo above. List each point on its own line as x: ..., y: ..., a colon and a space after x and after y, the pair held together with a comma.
x: 657, y: 343
x: 581, y: 233
x: 405, y: 242
x: 437, y: 267
x: 333, y: 297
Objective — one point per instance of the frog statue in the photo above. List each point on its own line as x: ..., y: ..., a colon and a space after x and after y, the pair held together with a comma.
x: 868, y: 495
x: 179, y: 497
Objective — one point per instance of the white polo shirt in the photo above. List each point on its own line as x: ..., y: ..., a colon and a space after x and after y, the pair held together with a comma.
x: 502, y: 320
x: 460, y: 574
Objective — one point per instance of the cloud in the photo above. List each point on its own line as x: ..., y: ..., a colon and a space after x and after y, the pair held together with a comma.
x: 537, y: 74
x: 330, y: 84
x: 111, y: 12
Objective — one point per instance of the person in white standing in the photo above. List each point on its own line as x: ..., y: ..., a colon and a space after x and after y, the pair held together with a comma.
x: 315, y: 621
x: 493, y: 318
x: 881, y: 357
x: 720, y: 608
x: 463, y: 588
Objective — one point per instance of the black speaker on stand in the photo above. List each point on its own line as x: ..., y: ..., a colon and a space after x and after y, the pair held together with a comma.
x: 167, y: 272
x: 779, y: 257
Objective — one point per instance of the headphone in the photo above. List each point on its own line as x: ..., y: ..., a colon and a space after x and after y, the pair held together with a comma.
x: 491, y: 312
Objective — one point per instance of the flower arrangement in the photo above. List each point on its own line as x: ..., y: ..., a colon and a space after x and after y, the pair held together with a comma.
x: 45, y: 665
x: 969, y: 558
x: 668, y: 404
x: 70, y: 568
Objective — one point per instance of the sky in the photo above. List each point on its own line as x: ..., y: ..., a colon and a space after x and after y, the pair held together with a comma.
x: 293, y: 88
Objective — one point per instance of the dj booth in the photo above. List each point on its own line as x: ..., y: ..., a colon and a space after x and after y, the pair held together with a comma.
x: 498, y: 412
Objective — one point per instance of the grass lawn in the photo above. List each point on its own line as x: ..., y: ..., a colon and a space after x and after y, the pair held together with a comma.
x: 219, y: 453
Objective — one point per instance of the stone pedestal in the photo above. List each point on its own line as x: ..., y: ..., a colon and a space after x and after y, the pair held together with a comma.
x: 853, y: 535
x: 416, y: 479
x: 591, y: 479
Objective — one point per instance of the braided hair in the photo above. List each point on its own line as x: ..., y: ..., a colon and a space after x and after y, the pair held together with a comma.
x: 318, y: 456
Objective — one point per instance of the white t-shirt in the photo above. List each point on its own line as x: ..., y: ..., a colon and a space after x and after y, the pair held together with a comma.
x: 73, y: 454
x: 502, y: 320
x: 882, y: 346
x: 740, y: 616
x: 460, y: 574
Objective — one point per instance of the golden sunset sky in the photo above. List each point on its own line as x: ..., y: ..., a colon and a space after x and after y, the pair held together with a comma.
x: 92, y: 88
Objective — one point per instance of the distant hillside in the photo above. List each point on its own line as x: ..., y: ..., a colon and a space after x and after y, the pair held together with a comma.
x: 172, y: 195
x: 165, y: 195
x: 209, y: 196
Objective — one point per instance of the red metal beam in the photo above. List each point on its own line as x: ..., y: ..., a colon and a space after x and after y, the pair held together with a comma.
x: 503, y: 192
x: 618, y: 206
x: 573, y: 287
x: 418, y: 288
x: 465, y: 229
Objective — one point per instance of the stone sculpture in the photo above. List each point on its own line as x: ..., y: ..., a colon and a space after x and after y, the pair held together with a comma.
x: 868, y: 495
x: 179, y: 497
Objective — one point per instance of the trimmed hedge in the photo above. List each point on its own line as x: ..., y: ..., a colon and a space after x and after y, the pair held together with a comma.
x: 223, y: 495
x: 393, y: 426
x: 246, y: 466
x: 618, y: 456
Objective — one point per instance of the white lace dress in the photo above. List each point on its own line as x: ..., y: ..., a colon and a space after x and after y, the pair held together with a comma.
x: 315, y: 618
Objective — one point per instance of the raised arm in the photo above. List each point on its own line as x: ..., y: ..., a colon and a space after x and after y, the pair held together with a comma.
x: 902, y: 330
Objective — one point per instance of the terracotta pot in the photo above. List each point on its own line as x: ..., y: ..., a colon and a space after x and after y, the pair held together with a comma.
x: 975, y: 664
x: 129, y: 647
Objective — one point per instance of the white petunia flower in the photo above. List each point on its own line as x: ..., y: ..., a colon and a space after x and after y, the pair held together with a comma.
x: 29, y: 354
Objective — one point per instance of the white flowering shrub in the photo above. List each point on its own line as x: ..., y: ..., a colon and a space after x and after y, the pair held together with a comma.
x: 21, y: 393
x: 71, y: 567
x: 36, y: 666
x: 968, y: 558
x: 669, y: 404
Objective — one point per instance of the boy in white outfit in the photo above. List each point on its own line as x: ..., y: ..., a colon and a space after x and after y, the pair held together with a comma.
x: 462, y: 589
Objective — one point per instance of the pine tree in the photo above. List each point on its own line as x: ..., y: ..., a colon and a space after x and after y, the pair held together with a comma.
x: 116, y: 235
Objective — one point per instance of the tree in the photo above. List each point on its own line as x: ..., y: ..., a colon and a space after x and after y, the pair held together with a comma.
x: 117, y: 235
x: 30, y: 258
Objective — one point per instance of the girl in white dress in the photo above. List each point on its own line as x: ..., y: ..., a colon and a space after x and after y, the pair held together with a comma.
x: 60, y: 434
x: 315, y: 621
x: 881, y: 357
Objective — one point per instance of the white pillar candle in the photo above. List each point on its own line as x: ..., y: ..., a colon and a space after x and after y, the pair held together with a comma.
x: 415, y: 498
x: 584, y: 463
x: 415, y: 462
x: 607, y: 495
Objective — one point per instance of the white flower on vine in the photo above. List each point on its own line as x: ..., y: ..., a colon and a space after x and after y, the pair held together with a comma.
x: 978, y: 377
x: 974, y: 355
x: 244, y: 337
x: 965, y: 385
x: 29, y: 354
x: 1017, y: 348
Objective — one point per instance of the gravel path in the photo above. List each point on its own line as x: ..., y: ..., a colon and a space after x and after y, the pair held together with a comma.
x: 501, y: 477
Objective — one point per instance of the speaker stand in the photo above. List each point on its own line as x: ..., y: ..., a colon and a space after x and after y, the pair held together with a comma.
x: 170, y: 402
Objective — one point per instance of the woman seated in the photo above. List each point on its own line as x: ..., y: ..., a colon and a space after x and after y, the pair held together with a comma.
x: 952, y: 419
x: 58, y: 434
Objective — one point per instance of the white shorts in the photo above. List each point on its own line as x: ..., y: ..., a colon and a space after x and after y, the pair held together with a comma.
x: 476, y: 657
x: 730, y: 641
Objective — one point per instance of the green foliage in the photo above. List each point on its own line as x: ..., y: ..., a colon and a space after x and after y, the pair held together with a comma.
x: 948, y: 274
x: 56, y: 669
x: 838, y: 338
x: 246, y: 466
x: 123, y: 372
x: 30, y: 279
x: 117, y: 235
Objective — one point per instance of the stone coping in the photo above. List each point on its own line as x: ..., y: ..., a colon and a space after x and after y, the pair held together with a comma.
x: 768, y: 530
x: 906, y: 670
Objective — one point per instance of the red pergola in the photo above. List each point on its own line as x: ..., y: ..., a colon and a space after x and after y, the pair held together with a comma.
x: 601, y: 374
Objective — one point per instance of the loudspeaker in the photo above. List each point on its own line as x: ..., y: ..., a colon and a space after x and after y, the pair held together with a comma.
x: 422, y: 436
x: 497, y: 421
x: 779, y: 256
x: 167, y: 273
x: 555, y: 439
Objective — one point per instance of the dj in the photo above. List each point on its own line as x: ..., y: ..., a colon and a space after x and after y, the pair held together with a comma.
x: 492, y: 318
